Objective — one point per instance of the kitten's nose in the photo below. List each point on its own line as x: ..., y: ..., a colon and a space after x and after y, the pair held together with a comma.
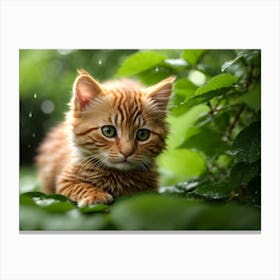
x: 126, y: 152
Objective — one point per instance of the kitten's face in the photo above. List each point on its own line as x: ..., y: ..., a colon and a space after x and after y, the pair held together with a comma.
x: 121, y: 128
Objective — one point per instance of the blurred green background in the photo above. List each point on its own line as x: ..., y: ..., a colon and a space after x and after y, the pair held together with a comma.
x: 216, y: 96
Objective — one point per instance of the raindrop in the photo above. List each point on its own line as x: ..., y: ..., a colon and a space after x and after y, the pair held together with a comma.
x: 30, y: 115
x: 47, y: 106
x: 157, y: 69
x: 33, y: 135
x: 35, y: 95
x: 99, y: 61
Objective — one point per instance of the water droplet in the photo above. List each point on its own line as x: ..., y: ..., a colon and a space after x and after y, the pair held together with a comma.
x: 157, y: 69
x: 47, y: 106
x: 99, y: 61
x: 35, y: 95
x: 30, y: 115
x: 33, y: 135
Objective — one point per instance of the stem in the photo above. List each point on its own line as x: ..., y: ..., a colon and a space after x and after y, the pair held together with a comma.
x: 248, y: 81
x: 211, y: 112
x: 231, y: 127
x: 218, y: 103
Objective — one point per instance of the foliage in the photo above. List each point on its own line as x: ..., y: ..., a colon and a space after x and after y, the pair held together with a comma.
x: 211, y: 169
x: 140, y: 212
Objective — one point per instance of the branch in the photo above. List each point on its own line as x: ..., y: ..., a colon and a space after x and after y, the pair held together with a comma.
x: 231, y: 127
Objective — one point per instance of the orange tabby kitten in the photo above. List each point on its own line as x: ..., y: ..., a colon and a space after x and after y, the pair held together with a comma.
x: 108, y: 143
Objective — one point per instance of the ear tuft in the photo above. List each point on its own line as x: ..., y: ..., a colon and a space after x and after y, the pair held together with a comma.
x: 82, y: 72
x: 160, y: 92
x: 85, y: 89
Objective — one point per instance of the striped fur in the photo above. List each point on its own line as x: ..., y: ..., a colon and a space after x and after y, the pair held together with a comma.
x: 78, y: 161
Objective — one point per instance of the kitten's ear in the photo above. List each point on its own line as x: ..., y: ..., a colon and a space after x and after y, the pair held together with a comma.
x: 85, y: 89
x: 160, y: 92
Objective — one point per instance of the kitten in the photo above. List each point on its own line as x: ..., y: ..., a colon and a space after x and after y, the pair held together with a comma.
x: 107, y: 145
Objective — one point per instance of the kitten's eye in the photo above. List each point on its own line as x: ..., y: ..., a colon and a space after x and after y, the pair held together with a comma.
x: 142, y: 134
x: 108, y: 131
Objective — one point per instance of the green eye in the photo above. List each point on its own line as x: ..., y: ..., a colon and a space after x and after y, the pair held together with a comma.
x: 108, y: 131
x: 142, y: 134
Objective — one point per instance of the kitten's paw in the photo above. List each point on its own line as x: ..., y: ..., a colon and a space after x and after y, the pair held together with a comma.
x: 96, y: 198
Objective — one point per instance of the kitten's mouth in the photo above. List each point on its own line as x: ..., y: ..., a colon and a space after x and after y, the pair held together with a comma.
x: 123, y: 160
x: 123, y: 164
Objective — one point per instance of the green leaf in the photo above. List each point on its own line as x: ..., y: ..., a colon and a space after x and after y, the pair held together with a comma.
x: 213, y: 191
x: 94, y: 208
x: 184, y: 187
x: 247, y: 145
x: 247, y: 54
x: 27, y: 200
x: 206, y: 141
x: 54, y: 205
x: 55, y: 196
x: 153, y: 212
x: 32, y: 194
x: 251, y: 98
x: 31, y: 217
x: 182, y: 126
x: 154, y: 75
x: 175, y: 165
x: 228, y: 217
x: 140, y: 62
x: 75, y: 220
x: 199, y: 99
x: 192, y: 56
x: 242, y: 173
x: 165, y: 212
x: 182, y: 88
x: 218, y: 82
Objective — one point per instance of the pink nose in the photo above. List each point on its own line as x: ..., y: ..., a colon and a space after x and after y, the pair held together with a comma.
x: 126, y: 153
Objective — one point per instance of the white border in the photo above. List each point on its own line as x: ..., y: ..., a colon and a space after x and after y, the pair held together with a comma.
x: 136, y: 24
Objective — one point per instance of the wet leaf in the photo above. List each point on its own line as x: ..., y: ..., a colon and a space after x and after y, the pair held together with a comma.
x: 140, y: 62
x: 198, y: 99
x: 246, y: 54
x: 212, y: 191
x: 247, y: 145
x: 94, y: 208
x: 184, y: 187
x: 150, y: 76
x: 54, y: 205
x: 242, y: 173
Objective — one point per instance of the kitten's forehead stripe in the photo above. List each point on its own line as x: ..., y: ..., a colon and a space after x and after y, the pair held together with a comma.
x: 127, y: 108
x: 120, y: 101
x: 86, y: 131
